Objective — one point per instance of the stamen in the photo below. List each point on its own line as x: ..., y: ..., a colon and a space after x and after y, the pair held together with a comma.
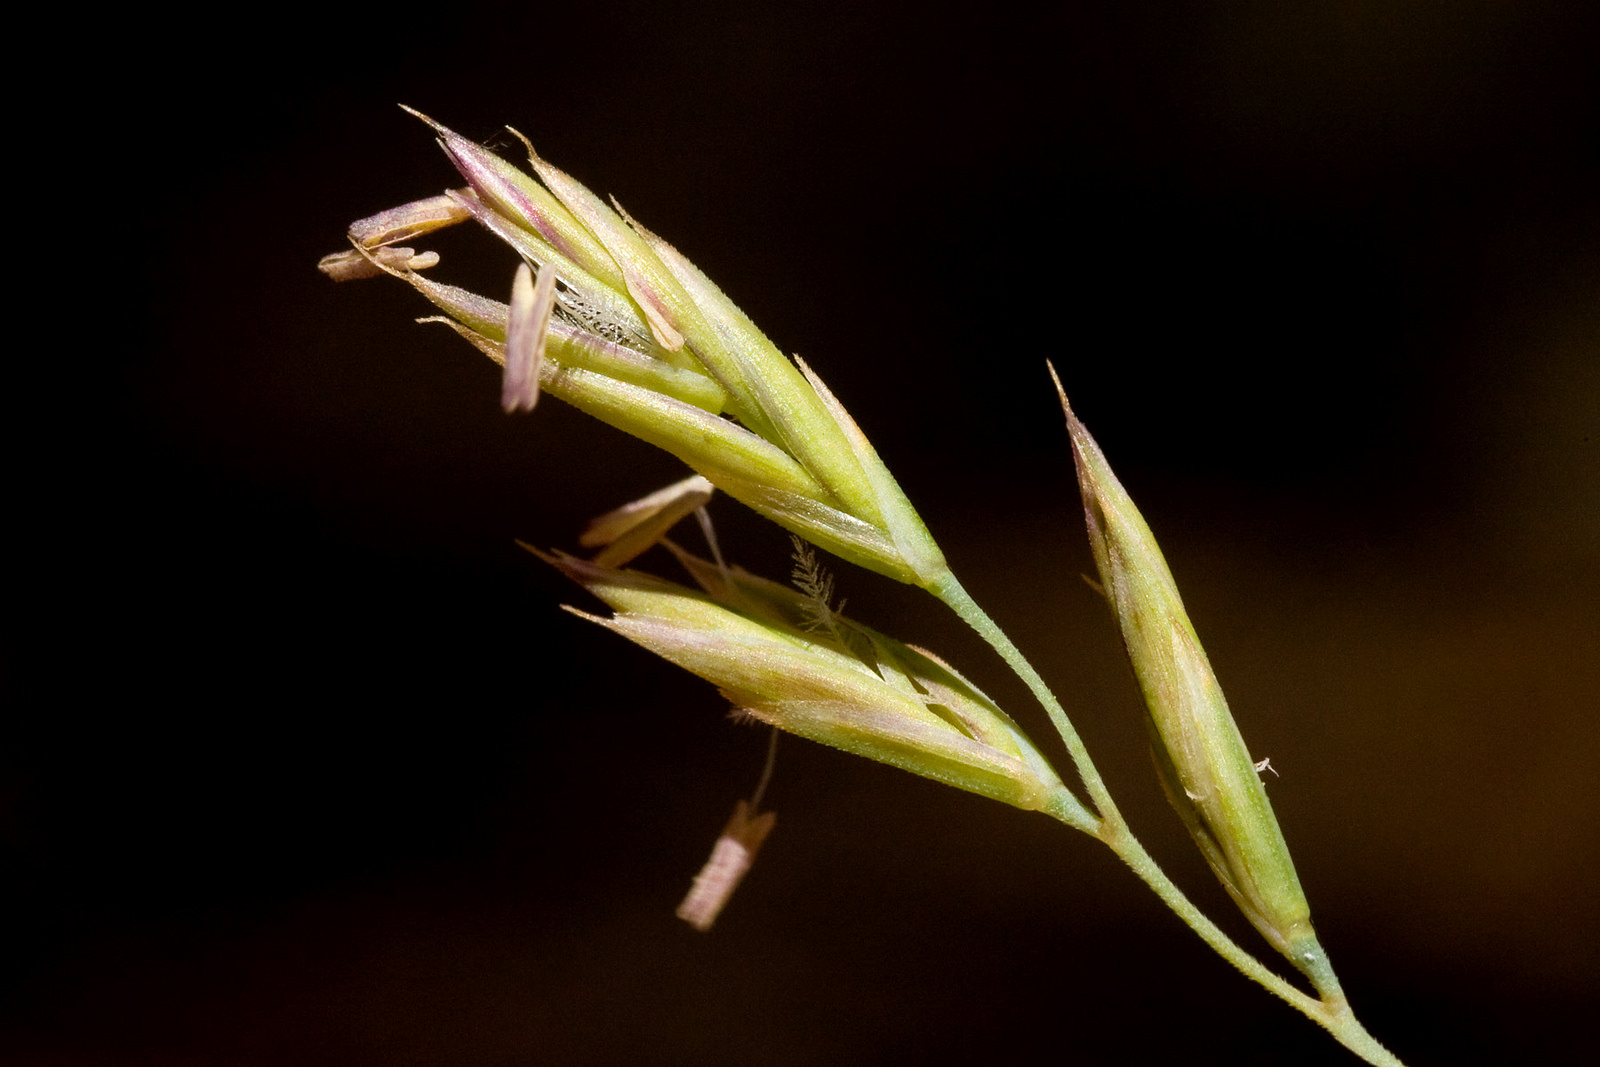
x: 527, y: 327
x: 733, y: 853
x: 349, y: 265
x: 408, y: 220
x: 628, y: 531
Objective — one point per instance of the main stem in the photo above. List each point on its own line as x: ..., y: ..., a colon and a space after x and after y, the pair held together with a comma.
x: 1332, y: 1012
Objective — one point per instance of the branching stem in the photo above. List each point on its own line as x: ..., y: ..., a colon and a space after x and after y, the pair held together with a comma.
x: 1332, y: 1011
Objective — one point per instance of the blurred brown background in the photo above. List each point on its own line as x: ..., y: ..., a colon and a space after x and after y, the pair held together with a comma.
x: 301, y: 763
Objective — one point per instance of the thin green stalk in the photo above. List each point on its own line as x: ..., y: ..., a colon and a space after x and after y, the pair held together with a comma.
x: 960, y: 601
x: 1332, y: 1012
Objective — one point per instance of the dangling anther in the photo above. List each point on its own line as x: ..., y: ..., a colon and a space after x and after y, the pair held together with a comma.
x: 527, y: 327
x: 732, y: 855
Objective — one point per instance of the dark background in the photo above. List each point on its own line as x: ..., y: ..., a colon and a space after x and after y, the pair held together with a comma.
x: 302, y: 764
